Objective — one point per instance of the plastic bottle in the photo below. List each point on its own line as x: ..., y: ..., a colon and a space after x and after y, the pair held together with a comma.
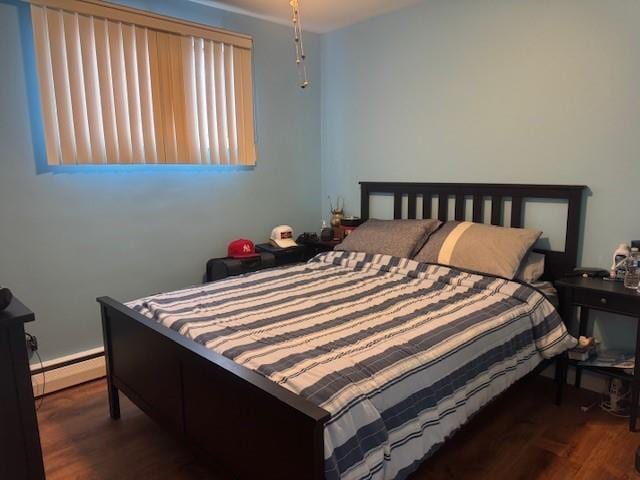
x: 619, y: 265
x: 632, y: 275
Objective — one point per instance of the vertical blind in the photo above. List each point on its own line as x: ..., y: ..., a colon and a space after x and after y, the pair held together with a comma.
x: 122, y: 86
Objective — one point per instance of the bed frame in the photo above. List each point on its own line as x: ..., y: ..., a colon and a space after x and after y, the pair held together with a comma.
x: 246, y: 425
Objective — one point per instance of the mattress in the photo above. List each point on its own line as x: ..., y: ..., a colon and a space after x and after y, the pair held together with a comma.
x: 400, y: 353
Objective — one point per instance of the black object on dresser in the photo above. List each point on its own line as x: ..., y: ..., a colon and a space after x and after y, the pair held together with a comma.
x: 270, y: 256
x: 607, y: 296
x: 20, y: 452
x: 303, y: 252
x: 5, y: 298
x: 284, y: 256
x: 315, y: 247
x: 219, y: 268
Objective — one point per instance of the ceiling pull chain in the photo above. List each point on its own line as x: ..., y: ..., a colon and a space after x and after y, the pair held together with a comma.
x: 301, y: 58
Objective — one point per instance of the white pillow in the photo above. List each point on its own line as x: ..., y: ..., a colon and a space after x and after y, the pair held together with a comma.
x: 531, y: 268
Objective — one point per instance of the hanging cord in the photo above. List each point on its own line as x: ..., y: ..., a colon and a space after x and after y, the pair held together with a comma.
x: 32, y: 345
x: 301, y: 57
x: 44, y: 381
x: 605, y: 405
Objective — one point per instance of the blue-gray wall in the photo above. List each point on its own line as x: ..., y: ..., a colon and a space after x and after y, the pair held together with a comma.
x: 67, y: 237
x: 499, y: 91
x: 534, y: 91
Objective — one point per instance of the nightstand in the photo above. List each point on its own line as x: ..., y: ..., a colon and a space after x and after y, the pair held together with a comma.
x: 314, y: 248
x: 284, y: 256
x: 219, y: 268
x: 302, y: 253
x: 606, y: 296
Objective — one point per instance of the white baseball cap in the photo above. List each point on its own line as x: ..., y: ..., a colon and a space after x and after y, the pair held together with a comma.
x: 282, y: 236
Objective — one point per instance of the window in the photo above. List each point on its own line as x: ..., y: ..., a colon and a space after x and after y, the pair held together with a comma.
x: 123, y: 86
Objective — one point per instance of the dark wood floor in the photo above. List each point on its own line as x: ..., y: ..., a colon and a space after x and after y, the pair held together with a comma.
x: 520, y: 436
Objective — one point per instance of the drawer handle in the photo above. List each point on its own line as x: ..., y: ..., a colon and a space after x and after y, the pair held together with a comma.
x: 603, y: 301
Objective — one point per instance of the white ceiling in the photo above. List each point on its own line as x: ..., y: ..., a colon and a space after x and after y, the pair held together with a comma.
x: 317, y: 15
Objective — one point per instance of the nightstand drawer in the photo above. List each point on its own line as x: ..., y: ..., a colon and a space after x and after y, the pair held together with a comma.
x: 605, y: 301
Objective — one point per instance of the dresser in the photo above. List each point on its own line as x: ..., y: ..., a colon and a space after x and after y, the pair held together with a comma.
x: 20, y: 452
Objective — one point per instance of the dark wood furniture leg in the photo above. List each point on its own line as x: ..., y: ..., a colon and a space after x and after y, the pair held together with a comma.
x: 114, y: 400
x: 112, y: 390
x: 582, y: 331
x: 635, y: 384
x: 561, y: 376
x: 562, y: 361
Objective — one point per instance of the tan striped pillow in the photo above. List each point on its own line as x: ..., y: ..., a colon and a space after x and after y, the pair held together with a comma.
x: 478, y: 247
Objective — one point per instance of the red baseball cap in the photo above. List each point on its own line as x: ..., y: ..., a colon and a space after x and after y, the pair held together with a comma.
x: 242, y: 248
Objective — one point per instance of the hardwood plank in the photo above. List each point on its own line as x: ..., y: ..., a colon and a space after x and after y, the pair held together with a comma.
x: 522, y: 435
x: 80, y: 441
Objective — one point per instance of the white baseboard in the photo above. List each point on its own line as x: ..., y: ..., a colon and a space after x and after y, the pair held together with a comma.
x: 73, y: 371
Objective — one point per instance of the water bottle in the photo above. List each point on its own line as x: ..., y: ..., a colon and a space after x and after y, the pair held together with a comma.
x: 619, y: 266
x: 632, y: 276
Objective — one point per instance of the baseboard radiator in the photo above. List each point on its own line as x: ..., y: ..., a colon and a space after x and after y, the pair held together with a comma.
x: 64, y: 372
x: 82, y: 367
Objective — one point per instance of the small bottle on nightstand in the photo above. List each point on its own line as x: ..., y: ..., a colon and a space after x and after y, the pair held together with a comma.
x: 632, y: 275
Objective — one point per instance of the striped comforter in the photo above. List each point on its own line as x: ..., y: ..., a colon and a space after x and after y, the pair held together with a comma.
x: 400, y: 353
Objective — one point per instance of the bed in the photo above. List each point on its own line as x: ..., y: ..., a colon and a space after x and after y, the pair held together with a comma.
x: 352, y: 366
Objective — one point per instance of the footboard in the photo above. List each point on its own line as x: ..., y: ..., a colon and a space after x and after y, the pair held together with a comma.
x: 247, y: 425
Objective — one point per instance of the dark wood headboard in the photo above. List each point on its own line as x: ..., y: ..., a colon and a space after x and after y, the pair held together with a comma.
x: 558, y: 263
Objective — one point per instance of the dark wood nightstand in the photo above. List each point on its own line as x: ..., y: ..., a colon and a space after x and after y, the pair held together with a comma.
x: 606, y: 296
x: 270, y: 256
x: 284, y: 256
x: 219, y: 268
x: 314, y: 248
x: 302, y: 253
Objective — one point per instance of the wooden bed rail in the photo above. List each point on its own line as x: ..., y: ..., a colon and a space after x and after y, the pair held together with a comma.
x: 236, y: 419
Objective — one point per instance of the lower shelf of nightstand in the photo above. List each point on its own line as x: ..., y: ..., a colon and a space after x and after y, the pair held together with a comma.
x: 607, y: 371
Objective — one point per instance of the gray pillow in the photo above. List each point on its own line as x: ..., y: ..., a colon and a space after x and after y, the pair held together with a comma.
x: 399, y: 238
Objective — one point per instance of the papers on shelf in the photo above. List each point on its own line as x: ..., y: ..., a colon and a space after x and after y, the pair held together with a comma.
x: 612, y: 359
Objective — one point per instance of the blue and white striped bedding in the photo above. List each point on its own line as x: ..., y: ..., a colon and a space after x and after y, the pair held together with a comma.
x: 400, y: 353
